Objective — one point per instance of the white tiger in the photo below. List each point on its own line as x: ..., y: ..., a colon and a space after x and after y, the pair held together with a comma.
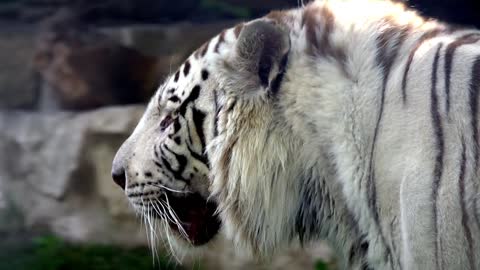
x: 351, y: 121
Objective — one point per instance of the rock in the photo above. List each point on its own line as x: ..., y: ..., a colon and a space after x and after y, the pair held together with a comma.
x: 84, y: 69
x: 78, y: 67
x: 172, y: 44
x: 17, y: 81
x: 181, y: 38
x: 55, y: 170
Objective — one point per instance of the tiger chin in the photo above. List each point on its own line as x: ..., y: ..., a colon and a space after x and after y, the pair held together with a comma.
x: 350, y: 121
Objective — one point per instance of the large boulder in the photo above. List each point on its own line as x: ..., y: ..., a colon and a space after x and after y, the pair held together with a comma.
x: 67, y: 64
x: 55, y: 173
x: 17, y: 81
x: 82, y: 68
x: 174, y: 42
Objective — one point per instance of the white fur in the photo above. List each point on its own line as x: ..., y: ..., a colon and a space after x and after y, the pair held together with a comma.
x: 317, y: 135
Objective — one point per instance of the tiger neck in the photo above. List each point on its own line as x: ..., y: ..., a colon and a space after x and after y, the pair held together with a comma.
x: 331, y: 95
x: 323, y: 215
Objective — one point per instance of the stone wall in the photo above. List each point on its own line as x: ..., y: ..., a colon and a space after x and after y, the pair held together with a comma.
x: 55, y: 172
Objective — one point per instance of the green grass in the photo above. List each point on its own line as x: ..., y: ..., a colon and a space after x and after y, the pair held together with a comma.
x: 320, y: 265
x: 50, y: 253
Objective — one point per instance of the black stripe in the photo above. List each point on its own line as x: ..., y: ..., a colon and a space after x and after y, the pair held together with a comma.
x: 194, y: 94
x: 312, y: 207
x: 357, y: 256
x: 182, y: 163
x: 428, y: 35
x: 198, y: 118
x: 221, y: 39
x: 205, y: 48
x: 473, y: 101
x: 231, y: 106
x: 449, y: 54
x: 204, y: 74
x: 477, y: 212
x: 277, y: 81
x: 181, y: 160
x: 238, y: 28
x: 386, y: 56
x: 174, y: 99
x: 466, y: 227
x: 439, y: 144
x: 177, y: 75
x: 200, y: 157
x: 186, y: 68
x: 176, y: 126
x: 217, y: 111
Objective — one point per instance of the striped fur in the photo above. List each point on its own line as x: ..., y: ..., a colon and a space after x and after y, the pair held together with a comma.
x: 363, y: 130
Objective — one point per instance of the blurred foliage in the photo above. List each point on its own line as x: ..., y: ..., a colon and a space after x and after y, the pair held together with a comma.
x: 220, y: 7
x: 50, y: 253
x: 320, y: 265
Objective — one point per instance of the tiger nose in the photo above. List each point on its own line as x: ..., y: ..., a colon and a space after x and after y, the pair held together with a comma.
x: 118, y: 174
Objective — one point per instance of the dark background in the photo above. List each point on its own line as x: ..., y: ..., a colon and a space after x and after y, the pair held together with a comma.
x: 454, y: 11
x: 160, y: 11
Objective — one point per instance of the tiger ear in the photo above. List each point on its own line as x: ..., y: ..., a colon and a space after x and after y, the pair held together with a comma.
x: 262, y: 51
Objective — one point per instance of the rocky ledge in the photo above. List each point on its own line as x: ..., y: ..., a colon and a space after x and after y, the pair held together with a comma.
x: 54, y: 173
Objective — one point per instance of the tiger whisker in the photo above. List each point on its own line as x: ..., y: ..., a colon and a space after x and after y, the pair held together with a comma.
x: 156, y: 209
x: 149, y: 229
x: 156, y: 205
x: 169, y: 241
x: 170, y: 189
x: 144, y: 221
x: 165, y: 212
x: 153, y: 233
x: 174, y: 216
x: 174, y: 219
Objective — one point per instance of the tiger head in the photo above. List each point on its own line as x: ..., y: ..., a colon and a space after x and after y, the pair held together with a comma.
x: 212, y: 151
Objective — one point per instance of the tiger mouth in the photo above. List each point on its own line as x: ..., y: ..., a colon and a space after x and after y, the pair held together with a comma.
x: 198, y: 218
x: 195, y: 217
